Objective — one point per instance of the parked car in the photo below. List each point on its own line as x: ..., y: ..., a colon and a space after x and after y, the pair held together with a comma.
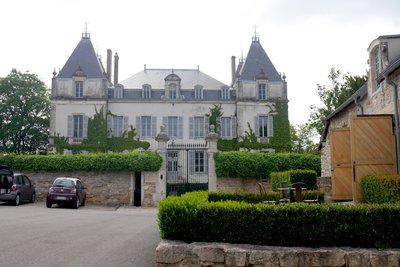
x: 15, y: 187
x: 66, y: 190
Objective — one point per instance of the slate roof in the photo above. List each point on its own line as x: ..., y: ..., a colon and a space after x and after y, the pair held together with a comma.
x: 256, y: 61
x: 85, y: 58
x: 155, y: 78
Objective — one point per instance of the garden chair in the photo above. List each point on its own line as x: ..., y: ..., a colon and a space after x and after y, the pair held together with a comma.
x: 313, y: 199
x: 263, y: 192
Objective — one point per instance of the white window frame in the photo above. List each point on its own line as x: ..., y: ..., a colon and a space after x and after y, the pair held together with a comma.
x: 198, y: 92
x: 79, y: 89
x: 146, y: 91
x: 264, y: 126
x: 172, y: 127
x: 173, y: 91
x: 225, y: 93
x: 262, y: 91
x: 226, y: 127
x: 145, y: 126
x: 118, y: 91
x: 77, y: 126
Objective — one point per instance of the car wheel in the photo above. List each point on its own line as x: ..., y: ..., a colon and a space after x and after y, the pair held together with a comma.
x: 76, y: 204
x: 33, y: 198
x: 17, y: 200
x: 48, y: 204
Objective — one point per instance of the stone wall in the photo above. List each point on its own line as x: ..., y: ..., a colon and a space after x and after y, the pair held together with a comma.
x: 239, y: 184
x: 103, y: 188
x: 179, y: 254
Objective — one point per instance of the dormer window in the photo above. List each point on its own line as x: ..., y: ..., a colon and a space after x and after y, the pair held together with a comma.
x: 262, y: 93
x: 118, y: 91
x: 79, y: 89
x: 377, y: 61
x: 225, y: 93
x: 146, y: 91
x: 198, y: 92
x: 172, y: 91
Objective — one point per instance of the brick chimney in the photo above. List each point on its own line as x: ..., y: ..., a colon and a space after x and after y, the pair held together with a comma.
x: 109, y: 59
x: 116, y: 61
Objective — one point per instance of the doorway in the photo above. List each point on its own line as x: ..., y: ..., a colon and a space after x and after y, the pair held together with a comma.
x: 137, y: 193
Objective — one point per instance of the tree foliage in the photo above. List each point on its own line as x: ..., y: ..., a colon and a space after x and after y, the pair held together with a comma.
x: 340, y: 89
x: 24, y: 113
x: 303, y: 138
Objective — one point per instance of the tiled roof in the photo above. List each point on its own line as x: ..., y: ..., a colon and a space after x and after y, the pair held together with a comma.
x: 83, y: 57
x: 256, y: 61
x: 155, y: 78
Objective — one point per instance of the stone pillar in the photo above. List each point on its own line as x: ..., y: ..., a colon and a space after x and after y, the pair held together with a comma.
x: 161, y: 184
x: 212, y: 141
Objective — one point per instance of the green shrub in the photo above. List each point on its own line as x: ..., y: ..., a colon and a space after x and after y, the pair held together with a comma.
x: 191, y: 218
x: 112, y: 162
x: 308, y: 177
x: 277, y: 178
x: 243, y: 196
x: 381, y: 188
x: 260, y: 165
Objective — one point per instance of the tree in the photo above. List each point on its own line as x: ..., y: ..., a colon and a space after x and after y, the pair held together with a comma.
x: 303, y: 138
x: 340, y: 89
x: 24, y: 113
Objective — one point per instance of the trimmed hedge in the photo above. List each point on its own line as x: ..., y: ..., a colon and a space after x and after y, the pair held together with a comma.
x: 191, y: 218
x: 381, y: 188
x: 112, y: 162
x: 260, y: 165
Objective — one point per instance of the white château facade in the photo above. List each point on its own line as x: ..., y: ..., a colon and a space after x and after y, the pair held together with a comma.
x: 179, y: 99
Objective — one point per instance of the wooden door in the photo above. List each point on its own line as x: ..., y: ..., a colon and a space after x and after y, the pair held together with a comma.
x: 341, y: 164
x: 373, y: 149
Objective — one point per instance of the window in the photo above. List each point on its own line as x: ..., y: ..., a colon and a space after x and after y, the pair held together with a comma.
x: 198, y: 92
x: 198, y: 126
x: 172, y: 91
x: 261, y: 91
x: 198, y: 161
x: 118, y: 91
x: 226, y: 127
x: 225, y: 93
x: 117, y: 125
x: 78, y: 126
x: 146, y: 91
x: 79, y: 89
x: 172, y: 126
x: 377, y: 61
x: 264, y: 126
x: 145, y: 129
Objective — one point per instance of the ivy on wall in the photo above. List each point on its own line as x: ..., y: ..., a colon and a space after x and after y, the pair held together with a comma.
x: 97, y: 140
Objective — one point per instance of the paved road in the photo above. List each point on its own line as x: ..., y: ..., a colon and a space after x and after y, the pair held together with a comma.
x: 32, y: 235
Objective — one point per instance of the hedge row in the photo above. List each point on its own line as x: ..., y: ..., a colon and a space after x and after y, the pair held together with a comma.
x: 255, y: 198
x: 112, y: 162
x: 260, y: 165
x: 191, y: 218
x: 381, y: 188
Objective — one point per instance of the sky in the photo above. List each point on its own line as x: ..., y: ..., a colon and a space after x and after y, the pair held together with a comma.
x: 303, y: 38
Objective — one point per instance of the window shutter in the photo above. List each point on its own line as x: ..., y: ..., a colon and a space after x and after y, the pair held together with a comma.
x: 233, y: 127
x: 85, y: 126
x: 109, y: 125
x: 153, y: 126
x: 180, y: 127
x: 138, y: 126
x: 165, y: 123
x: 270, y: 126
x: 70, y: 131
x: 125, y: 125
x: 256, y: 126
x: 191, y: 127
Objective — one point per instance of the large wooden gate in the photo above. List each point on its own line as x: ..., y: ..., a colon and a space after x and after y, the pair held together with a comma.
x: 341, y: 164
x: 367, y: 147
x: 187, y: 168
x: 373, y: 149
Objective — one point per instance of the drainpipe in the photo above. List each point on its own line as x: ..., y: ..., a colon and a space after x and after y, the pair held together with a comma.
x: 396, y: 120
